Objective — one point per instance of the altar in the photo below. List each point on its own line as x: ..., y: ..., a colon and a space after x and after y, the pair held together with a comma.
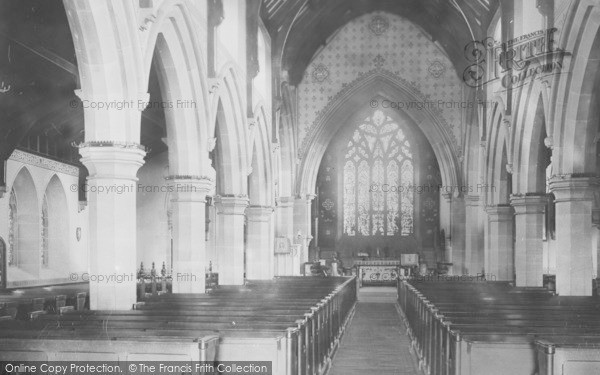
x: 377, y: 272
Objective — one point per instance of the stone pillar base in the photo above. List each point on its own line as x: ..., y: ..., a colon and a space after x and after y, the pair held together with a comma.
x: 529, y: 247
x: 500, y: 265
x: 230, y: 239
x: 574, y: 199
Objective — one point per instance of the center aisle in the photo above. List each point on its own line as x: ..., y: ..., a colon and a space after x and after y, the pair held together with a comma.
x: 376, y: 341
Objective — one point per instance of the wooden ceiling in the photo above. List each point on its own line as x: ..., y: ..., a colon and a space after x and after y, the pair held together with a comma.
x: 300, y: 27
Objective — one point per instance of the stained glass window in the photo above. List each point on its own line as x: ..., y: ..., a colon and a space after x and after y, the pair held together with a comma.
x: 378, y: 179
x: 13, y: 229
x: 44, y: 250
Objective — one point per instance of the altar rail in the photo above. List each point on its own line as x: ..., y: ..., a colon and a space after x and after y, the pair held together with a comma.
x: 472, y: 328
x: 294, y: 322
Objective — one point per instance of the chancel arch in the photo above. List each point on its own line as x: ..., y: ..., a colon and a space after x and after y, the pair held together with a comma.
x: 378, y: 88
x: 378, y: 189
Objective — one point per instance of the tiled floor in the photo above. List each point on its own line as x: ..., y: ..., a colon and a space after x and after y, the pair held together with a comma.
x: 375, y: 342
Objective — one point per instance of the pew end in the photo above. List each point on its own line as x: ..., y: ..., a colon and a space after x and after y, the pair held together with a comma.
x: 566, y: 355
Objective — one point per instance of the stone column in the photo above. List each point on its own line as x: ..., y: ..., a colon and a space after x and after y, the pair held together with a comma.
x: 474, y: 236
x: 574, y: 200
x: 302, y: 225
x: 500, y: 265
x: 445, y: 224
x: 596, y: 235
x: 595, y: 250
x: 260, y: 262
x: 112, y: 188
x: 284, y: 212
x: 529, y: 248
x: 457, y: 241
x: 230, y: 238
x: 189, y: 234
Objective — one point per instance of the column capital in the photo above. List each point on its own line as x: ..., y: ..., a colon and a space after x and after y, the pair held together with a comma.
x: 112, y: 160
x: 528, y: 203
x: 567, y: 187
x: 447, y: 197
x: 259, y: 213
x: 471, y: 200
x: 285, y: 201
x: 308, y: 198
x: 499, y: 212
x: 231, y: 204
x: 189, y: 188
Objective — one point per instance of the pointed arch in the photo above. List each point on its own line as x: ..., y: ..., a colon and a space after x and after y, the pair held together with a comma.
x: 376, y: 87
x: 260, y: 189
x: 55, y: 240
x: 109, y: 58
x: 529, y: 145
x: 25, y: 224
x: 174, y: 49
x: 497, y: 159
x: 229, y: 126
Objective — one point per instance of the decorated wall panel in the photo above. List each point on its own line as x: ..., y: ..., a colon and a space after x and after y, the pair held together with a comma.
x: 387, y: 43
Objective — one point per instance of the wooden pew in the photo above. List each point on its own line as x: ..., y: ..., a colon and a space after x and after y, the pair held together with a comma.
x: 29, y: 304
x: 464, y: 336
x: 297, y: 335
x: 568, y: 355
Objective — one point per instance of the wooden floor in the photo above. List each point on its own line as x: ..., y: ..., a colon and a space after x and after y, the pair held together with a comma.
x: 375, y: 341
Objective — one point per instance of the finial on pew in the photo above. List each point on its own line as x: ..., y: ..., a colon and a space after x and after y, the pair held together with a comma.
x: 153, y: 270
x: 163, y: 270
x: 141, y: 270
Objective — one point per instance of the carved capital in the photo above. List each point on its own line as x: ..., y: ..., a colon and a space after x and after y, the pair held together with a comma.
x: 549, y: 142
x: 509, y: 168
x: 212, y: 142
x: 499, y: 212
x: 569, y: 188
x: 213, y: 85
x: 232, y: 205
x: 259, y: 213
x: 284, y: 201
x: 528, y: 203
x: 252, y: 124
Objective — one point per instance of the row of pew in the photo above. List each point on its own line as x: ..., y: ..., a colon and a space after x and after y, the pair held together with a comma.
x: 472, y: 328
x: 27, y: 304
x: 293, y: 322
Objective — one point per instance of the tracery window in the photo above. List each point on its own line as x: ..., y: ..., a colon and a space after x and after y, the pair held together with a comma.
x: 378, y: 179
x: 45, y: 244
x: 13, y: 229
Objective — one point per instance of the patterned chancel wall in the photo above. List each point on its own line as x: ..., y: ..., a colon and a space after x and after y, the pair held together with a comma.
x: 392, y: 45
